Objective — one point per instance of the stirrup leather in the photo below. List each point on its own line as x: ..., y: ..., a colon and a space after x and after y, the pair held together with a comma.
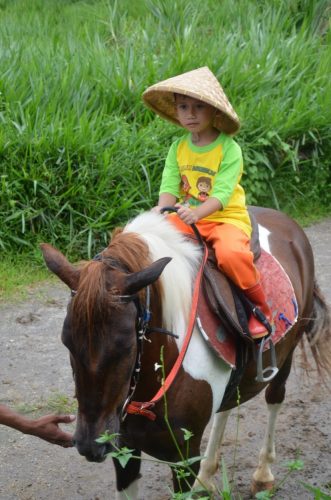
x: 269, y: 372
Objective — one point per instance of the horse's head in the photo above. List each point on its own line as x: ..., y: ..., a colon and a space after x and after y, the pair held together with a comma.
x: 100, y: 332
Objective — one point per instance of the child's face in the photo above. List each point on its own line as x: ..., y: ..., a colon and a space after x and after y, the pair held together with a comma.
x: 194, y: 115
x: 203, y: 186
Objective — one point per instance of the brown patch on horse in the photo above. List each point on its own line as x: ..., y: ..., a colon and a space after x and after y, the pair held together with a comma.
x: 129, y: 249
x: 132, y: 251
x: 89, y: 302
x: 102, y: 282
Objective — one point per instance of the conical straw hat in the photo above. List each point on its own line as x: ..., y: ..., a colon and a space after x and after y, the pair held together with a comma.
x: 200, y: 84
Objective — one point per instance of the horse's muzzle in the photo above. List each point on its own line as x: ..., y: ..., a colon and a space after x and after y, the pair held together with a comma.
x: 87, y: 433
x: 93, y: 452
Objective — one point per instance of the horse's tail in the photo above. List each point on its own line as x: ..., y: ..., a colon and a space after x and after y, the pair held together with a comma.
x: 318, y: 331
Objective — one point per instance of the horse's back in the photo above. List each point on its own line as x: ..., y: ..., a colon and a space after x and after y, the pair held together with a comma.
x: 280, y: 225
x: 289, y: 244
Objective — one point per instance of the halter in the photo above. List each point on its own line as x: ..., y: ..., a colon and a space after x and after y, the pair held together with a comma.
x: 143, y: 318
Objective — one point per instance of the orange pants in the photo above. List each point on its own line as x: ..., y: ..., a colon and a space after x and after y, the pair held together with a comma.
x: 232, y: 249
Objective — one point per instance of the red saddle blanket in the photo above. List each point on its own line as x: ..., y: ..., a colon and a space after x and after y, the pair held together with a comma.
x: 280, y: 297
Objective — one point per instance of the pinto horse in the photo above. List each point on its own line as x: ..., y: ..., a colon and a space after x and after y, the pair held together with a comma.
x: 149, y: 268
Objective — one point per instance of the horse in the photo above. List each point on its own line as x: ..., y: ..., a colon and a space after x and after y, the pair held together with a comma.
x: 128, y: 305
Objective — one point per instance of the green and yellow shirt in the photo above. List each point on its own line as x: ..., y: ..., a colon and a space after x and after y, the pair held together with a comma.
x: 193, y: 173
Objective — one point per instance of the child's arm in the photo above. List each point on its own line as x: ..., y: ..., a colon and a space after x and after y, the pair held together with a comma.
x: 165, y: 200
x: 169, y: 189
x: 208, y: 207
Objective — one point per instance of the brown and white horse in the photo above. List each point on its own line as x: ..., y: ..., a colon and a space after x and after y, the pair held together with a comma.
x: 100, y: 331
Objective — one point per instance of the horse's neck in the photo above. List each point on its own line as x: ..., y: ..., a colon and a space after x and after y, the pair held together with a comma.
x: 159, y: 353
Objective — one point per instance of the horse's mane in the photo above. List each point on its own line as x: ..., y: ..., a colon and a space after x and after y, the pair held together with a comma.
x: 127, y: 253
x: 164, y: 240
x: 145, y: 239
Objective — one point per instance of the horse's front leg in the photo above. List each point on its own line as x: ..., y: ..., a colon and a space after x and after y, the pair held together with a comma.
x: 210, y: 463
x: 127, y: 478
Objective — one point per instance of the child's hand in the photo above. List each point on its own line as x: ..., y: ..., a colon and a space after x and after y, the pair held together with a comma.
x: 156, y: 209
x: 186, y: 214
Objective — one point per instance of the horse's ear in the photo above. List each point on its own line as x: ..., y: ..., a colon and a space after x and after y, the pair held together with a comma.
x: 59, y: 265
x: 136, y: 281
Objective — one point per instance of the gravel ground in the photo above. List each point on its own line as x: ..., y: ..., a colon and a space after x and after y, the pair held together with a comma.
x: 34, y: 371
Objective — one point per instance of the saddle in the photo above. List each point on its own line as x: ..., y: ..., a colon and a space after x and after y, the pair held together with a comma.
x: 222, y: 308
x: 221, y: 295
x: 223, y: 312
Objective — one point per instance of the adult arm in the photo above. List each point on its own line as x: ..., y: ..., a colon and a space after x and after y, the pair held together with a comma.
x: 46, y: 427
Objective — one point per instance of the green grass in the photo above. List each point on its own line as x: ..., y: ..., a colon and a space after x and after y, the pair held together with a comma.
x: 57, y: 403
x: 19, y: 277
x: 79, y: 152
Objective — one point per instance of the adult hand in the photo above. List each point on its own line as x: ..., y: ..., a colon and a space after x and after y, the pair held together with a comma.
x: 186, y: 214
x: 47, y: 428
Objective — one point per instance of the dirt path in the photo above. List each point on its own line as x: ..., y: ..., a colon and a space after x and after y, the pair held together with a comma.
x: 34, y: 372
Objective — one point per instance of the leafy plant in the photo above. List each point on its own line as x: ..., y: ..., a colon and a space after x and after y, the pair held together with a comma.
x: 80, y: 154
x: 317, y: 492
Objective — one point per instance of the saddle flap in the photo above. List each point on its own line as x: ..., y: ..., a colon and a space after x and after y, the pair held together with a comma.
x: 214, y: 332
x: 217, y: 317
x: 219, y: 295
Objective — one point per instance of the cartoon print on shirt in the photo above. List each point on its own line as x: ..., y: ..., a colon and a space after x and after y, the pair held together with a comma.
x: 185, y: 187
x: 204, y: 186
x: 185, y: 184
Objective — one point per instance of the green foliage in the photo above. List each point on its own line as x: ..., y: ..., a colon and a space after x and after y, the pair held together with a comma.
x: 19, y: 274
x: 292, y: 466
x: 79, y: 152
x: 226, y: 492
x: 317, y: 492
x: 57, y: 403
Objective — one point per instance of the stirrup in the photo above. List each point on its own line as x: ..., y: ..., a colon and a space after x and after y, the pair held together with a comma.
x: 268, y: 373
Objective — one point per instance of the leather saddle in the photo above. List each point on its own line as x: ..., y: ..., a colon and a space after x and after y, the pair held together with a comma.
x: 223, y: 297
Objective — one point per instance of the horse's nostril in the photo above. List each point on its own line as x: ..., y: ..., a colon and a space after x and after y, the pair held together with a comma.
x: 95, y: 458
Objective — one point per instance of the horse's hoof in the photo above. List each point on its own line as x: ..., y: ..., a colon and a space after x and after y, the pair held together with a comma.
x: 258, y: 486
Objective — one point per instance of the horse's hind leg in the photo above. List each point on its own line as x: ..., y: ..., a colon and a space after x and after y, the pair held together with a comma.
x: 209, y: 464
x: 263, y: 478
x: 127, y: 478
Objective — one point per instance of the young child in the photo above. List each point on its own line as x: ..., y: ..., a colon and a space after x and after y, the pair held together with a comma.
x: 203, y: 171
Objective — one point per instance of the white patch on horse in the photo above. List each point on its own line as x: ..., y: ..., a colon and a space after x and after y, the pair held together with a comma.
x: 130, y: 493
x: 264, y: 238
x: 211, y: 460
x: 267, y: 455
x: 164, y: 240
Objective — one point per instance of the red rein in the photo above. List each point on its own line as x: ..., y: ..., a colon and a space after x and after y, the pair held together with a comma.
x: 138, y: 408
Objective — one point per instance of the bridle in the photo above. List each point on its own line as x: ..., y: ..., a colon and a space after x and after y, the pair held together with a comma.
x: 143, y: 328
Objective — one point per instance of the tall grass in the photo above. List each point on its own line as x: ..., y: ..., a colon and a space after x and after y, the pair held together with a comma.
x: 80, y: 154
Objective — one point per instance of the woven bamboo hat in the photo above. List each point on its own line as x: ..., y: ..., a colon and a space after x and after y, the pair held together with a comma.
x: 200, y: 84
